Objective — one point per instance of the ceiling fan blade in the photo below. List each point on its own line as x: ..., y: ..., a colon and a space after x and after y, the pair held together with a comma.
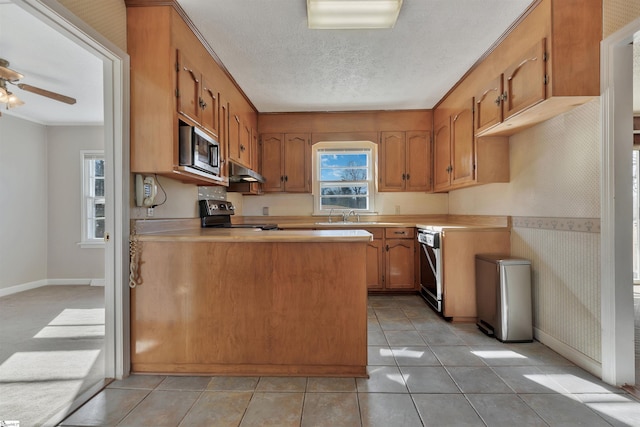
x: 7, y: 73
x: 47, y: 93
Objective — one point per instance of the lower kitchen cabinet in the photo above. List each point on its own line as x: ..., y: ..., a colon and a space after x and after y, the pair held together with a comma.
x: 391, y: 260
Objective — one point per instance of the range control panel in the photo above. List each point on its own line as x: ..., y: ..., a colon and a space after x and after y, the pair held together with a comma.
x: 215, y: 207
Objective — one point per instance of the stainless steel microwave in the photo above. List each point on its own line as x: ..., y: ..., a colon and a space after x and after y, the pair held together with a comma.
x: 199, y: 150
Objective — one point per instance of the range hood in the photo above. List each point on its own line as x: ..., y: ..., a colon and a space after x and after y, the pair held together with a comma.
x: 238, y: 173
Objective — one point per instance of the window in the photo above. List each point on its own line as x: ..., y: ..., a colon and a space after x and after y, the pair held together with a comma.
x: 93, y: 201
x: 344, y: 176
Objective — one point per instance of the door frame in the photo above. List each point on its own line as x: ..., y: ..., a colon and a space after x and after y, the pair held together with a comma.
x: 617, y: 314
x: 116, y: 148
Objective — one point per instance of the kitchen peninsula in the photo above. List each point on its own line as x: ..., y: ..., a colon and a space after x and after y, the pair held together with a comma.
x: 247, y: 302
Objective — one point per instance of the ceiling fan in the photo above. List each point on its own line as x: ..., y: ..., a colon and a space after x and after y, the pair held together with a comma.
x: 9, y: 76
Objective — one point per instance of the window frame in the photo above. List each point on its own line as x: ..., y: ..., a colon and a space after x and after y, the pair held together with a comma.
x: 324, y: 146
x: 86, y: 195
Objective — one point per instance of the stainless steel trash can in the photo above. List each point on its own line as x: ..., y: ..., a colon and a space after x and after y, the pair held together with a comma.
x: 503, y: 297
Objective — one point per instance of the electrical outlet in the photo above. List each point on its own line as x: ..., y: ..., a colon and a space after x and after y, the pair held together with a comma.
x: 149, y: 211
x: 265, y: 210
x: 397, y: 209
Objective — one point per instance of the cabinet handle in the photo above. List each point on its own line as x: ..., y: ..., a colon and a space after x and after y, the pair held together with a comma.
x: 515, y: 71
x: 286, y: 178
x: 404, y: 177
x: 387, y: 248
x: 242, y: 147
x: 193, y: 75
x: 281, y: 178
x: 408, y: 176
x: 203, y: 104
x: 399, y: 232
x: 498, y: 100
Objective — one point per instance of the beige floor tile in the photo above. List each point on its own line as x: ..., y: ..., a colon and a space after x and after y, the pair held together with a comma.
x: 379, y: 355
x: 457, y: 355
x: 414, y: 356
x: 138, y: 381
x: 107, y: 408
x: 385, y: 410
x: 403, y: 324
x: 161, y: 408
x: 284, y: 384
x: 274, y: 409
x: 478, y: 379
x: 344, y: 385
x: 233, y: 383
x: 382, y: 379
x: 559, y: 409
x: 396, y: 338
x: 446, y: 410
x: 376, y: 338
x: 504, y: 410
x: 184, y: 383
x: 218, y: 408
x: 330, y: 410
x: 428, y: 379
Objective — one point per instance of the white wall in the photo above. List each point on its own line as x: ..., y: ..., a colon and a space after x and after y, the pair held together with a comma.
x: 554, y: 199
x: 23, y: 202
x: 66, y: 259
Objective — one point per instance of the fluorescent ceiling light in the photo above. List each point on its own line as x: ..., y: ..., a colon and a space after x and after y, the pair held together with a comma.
x: 352, y: 14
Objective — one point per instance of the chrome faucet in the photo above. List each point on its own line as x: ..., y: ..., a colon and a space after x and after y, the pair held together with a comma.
x: 330, y: 213
x: 345, y: 217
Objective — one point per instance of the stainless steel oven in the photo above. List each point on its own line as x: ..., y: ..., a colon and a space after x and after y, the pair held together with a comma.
x: 431, y: 267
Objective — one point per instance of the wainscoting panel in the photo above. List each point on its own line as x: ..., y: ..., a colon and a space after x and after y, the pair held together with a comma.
x: 565, y: 285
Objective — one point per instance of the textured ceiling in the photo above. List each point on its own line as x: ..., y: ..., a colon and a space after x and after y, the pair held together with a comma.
x: 283, y: 66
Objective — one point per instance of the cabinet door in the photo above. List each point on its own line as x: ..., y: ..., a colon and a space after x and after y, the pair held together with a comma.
x: 462, y: 158
x: 188, y: 88
x: 245, y: 144
x: 441, y: 156
x: 488, y: 103
x: 392, y: 161
x: 209, y: 107
x: 524, y: 81
x: 400, y: 264
x: 235, y: 130
x: 272, y: 145
x: 418, y: 161
x: 223, y: 128
x: 375, y: 265
x: 297, y: 162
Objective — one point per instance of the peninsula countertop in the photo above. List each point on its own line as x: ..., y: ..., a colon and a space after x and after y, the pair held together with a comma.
x: 251, y: 235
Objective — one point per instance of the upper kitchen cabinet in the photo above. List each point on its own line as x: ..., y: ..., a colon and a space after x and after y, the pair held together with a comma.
x: 196, y: 96
x: 405, y: 161
x: 286, y: 162
x: 239, y: 139
x: 175, y: 78
x: 547, y: 64
x: 460, y: 158
x: 454, y: 160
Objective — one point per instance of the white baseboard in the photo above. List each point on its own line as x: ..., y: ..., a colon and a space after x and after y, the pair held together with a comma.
x: 22, y: 287
x: 45, y: 282
x: 585, y: 362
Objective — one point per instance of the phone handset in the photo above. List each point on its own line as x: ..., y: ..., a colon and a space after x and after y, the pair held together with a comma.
x: 146, y: 190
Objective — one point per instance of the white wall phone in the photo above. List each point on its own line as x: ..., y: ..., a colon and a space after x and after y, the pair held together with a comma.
x: 146, y: 190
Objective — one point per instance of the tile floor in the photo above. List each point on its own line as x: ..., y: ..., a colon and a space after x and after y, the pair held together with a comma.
x: 423, y: 371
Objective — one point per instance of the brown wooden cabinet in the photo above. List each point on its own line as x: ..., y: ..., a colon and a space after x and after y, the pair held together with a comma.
x: 454, y: 156
x: 197, y: 99
x: 174, y: 78
x: 405, y: 161
x: 239, y: 139
x: 286, y: 162
x: 400, y: 259
x: 458, y: 251
x: 391, y: 260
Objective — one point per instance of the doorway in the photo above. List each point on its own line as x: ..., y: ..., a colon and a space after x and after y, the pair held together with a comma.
x: 114, y: 65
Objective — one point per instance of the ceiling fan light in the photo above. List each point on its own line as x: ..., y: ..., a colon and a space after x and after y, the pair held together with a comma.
x: 352, y: 14
x: 9, y: 98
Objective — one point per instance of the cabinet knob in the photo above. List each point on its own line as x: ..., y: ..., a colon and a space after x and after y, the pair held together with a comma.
x: 408, y: 176
x: 404, y: 177
x: 281, y: 178
x: 242, y: 147
x: 286, y: 178
x: 498, y: 100
x: 387, y: 248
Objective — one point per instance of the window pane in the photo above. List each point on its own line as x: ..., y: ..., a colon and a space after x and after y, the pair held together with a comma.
x: 99, y: 210
x: 99, y: 229
x: 99, y: 167
x: 343, y: 174
x: 359, y: 202
x: 341, y: 160
x: 98, y: 186
x: 344, y: 190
